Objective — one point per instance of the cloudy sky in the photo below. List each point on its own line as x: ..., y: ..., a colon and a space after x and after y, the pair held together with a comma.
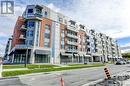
x: 111, y: 17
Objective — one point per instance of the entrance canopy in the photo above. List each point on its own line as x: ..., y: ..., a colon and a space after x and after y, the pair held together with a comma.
x: 87, y: 56
x: 66, y: 54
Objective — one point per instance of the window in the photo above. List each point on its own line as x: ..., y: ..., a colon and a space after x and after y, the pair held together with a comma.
x: 31, y: 24
x: 30, y: 10
x: 37, y: 34
x: 47, y: 27
x: 45, y: 14
x: 30, y: 42
x: 31, y: 33
x: 72, y: 22
x: 47, y: 36
x: 27, y: 33
x: 60, y: 19
x: 38, y: 11
x: 62, y: 46
x: 65, y: 21
x: 46, y: 44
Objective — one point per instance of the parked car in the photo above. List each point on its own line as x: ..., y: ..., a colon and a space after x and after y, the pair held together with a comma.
x: 120, y: 62
x: 124, y: 62
x: 128, y: 62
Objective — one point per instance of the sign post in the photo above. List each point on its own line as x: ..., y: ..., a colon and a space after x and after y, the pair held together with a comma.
x: 1, y: 67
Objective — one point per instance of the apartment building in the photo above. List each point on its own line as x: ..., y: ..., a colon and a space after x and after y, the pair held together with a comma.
x: 44, y: 36
x: 8, y: 49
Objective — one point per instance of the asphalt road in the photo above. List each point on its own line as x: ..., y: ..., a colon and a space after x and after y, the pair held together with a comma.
x: 76, y: 77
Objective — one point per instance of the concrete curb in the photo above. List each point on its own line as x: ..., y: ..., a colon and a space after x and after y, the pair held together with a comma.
x: 94, y: 82
x: 53, y: 72
x: 99, y: 80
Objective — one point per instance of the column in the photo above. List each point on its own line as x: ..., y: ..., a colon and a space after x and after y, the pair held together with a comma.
x: 32, y: 57
x: 91, y: 58
x: 78, y: 59
x: 82, y: 59
x: 21, y: 58
x: 72, y: 59
x: 12, y: 58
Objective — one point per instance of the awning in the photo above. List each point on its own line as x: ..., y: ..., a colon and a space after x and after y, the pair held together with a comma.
x: 76, y: 54
x: 42, y: 52
x: 81, y: 54
x: 95, y: 54
x: 109, y: 57
x: 66, y: 54
x: 87, y: 55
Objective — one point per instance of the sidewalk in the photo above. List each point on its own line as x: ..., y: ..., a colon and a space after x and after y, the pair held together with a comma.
x: 122, y: 80
x: 15, y: 69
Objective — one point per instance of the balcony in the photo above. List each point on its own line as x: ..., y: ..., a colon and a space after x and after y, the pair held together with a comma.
x: 72, y: 43
x: 71, y: 50
x: 113, y: 47
x: 21, y: 46
x: 23, y: 28
x: 88, y: 46
x: 36, y: 16
x: 72, y: 36
x: 22, y: 37
x: 72, y: 28
x: 88, y: 39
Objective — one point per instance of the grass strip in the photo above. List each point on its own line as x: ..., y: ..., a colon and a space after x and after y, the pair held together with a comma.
x: 29, y: 66
x: 22, y: 72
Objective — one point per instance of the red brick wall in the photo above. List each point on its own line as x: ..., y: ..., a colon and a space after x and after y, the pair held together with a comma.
x: 43, y: 23
x: 81, y: 34
x: 17, y: 32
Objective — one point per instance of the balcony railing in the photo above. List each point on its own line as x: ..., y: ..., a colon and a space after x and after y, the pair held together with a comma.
x: 22, y: 46
x: 33, y: 16
x: 72, y: 36
x: 23, y: 28
x: 72, y: 28
x: 71, y: 50
x: 22, y: 37
x: 72, y: 43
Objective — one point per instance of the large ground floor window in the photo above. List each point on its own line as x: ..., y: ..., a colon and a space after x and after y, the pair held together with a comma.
x: 42, y: 58
x: 73, y: 59
x: 65, y: 59
x: 20, y: 58
x: 96, y: 58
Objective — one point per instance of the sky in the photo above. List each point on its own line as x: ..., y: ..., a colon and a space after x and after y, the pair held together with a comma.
x: 111, y: 17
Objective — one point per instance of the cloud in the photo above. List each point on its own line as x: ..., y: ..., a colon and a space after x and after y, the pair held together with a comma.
x: 111, y: 17
x: 2, y: 48
x: 7, y: 26
x: 125, y: 51
x: 51, y: 6
x: 125, y: 48
x: 128, y: 44
x: 2, y: 34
